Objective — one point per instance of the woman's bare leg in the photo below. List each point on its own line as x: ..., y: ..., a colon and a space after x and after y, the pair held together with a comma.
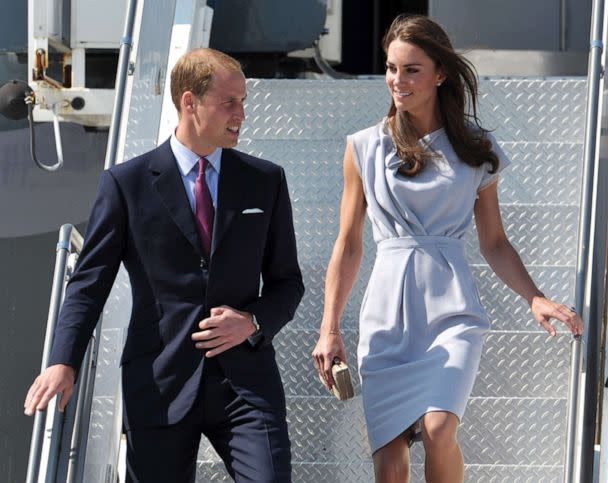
x: 443, y: 463
x: 392, y: 461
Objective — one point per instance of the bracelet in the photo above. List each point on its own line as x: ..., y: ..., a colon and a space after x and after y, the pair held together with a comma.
x: 334, y: 332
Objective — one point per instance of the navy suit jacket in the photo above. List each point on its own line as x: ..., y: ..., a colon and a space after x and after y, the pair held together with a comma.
x: 142, y: 217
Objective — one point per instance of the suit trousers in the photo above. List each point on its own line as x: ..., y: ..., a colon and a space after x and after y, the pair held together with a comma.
x: 252, y: 442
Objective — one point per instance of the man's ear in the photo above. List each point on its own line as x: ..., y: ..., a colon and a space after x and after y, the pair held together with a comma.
x: 187, y: 102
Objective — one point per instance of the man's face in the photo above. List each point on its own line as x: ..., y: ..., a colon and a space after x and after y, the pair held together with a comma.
x: 218, y: 115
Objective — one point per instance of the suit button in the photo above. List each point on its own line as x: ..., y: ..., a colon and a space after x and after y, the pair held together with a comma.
x: 203, y: 263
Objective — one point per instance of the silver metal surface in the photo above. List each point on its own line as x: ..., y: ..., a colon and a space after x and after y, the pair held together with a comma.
x: 588, y: 249
x: 34, y: 460
x: 57, y: 456
x: 105, y: 424
x: 121, y: 84
x: 514, y: 427
x: 141, y: 114
x: 595, y: 307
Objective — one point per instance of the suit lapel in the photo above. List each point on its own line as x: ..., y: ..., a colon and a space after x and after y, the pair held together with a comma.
x: 231, y: 187
x: 168, y: 182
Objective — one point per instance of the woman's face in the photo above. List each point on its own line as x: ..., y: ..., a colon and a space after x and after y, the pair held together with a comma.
x: 412, y: 78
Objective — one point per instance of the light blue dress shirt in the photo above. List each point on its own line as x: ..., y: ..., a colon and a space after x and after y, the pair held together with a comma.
x: 187, y: 162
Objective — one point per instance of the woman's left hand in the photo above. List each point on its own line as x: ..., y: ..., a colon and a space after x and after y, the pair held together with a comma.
x: 544, y: 310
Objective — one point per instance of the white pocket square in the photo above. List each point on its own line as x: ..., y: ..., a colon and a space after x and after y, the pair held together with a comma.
x: 250, y: 211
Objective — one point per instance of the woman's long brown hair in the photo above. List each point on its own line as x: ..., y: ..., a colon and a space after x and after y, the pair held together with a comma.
x: 460, y: 85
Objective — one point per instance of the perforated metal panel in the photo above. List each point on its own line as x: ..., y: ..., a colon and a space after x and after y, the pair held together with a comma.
x: 513, y: 430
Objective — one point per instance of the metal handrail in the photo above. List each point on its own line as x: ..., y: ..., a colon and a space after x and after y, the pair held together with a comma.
x: 585, y: 253
x: 126, y: 43
x: 68, y: 431
x: 69, y: 240
x: 595, y: 292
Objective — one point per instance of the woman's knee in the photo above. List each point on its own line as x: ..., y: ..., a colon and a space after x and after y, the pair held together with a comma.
x: 440, y: 429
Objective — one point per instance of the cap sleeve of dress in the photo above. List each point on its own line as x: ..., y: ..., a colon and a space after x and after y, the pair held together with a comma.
x: 358, y: 142
x: 503, y: 161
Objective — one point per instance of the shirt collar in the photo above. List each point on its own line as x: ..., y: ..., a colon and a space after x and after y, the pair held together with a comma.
x: 186, y: 159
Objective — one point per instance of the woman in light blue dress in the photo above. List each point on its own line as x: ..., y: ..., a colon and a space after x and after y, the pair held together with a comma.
x: 420, y: 174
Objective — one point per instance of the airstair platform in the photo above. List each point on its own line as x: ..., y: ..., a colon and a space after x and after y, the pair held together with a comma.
x: 515, y: 424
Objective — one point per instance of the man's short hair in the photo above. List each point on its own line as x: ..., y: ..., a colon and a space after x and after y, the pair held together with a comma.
x: 194, y: 72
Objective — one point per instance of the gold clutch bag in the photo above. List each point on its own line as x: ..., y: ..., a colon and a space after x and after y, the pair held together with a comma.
x: 343, y: 387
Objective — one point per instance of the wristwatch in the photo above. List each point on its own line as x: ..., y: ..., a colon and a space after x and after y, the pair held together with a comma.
x: 257, y: 335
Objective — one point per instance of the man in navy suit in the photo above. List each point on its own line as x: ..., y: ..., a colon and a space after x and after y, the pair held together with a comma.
x: 214, y: 276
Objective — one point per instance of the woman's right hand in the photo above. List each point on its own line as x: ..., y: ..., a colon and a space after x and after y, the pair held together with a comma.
x: 342, y: 269
x: 329, y: 346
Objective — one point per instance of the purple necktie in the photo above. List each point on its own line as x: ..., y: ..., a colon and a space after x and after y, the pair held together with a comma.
x: 203, y: 207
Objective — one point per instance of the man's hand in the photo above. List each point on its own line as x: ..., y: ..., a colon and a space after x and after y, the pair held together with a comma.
x: 54, y: 379
x: 224, y: 328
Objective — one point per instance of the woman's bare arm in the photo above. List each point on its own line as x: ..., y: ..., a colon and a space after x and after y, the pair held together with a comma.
x: 342, y: 269
x: 506, y: 263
